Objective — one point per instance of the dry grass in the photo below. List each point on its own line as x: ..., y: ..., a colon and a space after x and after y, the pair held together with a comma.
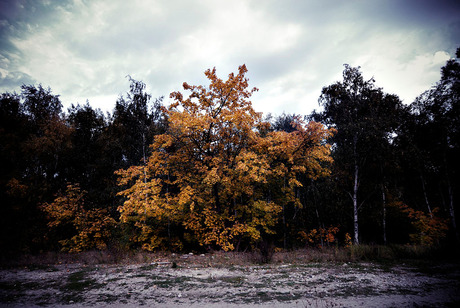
x: 227, y: 259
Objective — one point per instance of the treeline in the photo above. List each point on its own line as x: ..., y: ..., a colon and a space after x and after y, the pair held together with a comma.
x: 209, y: 172
x: 43, y: 150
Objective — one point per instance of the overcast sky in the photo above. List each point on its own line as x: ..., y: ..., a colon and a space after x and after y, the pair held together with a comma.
x: 85, y: 49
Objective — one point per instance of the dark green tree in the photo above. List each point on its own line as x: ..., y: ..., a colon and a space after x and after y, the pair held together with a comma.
x: 13, y: 132
x: 365, y: 118
x: 432, y: 141
x: 285, y: 122
x: 87, y: 164
x: 35, y: 140
x: 134, y: 125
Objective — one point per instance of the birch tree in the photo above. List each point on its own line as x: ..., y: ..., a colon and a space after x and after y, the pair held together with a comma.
x: 364, y: 117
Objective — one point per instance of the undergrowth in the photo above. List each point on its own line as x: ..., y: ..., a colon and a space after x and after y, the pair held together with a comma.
x: 375, y: 253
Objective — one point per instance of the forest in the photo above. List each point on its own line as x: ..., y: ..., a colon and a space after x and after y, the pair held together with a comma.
x: 208, y: 172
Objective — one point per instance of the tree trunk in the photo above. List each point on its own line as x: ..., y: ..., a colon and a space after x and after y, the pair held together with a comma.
x: 384, y: 222
x: 425, y: 195
x: 452, y: 211
x: 284, y: 228
x: 355, y: 191
x: 284, y: 220
x: 355, y: 204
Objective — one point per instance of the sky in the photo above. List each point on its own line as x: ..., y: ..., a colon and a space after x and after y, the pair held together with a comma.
x: 84, y: 49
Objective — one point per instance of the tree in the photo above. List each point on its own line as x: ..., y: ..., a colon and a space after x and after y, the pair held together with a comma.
x: 436, y: 140
x: 35, y: 138
x: 79, y: 228
x: 87, y: 162
x: 13, y: 210
x: 134, y: 125
x: 40, y: 104
x: 365, y: 118
x: 285, y: 122
x: 213, y: 178
x: 46, y: 146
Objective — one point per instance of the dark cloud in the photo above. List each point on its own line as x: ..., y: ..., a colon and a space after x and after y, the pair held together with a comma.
x: 13, y: 80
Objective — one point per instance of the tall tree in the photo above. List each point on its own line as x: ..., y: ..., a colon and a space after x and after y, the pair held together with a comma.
x: 213, y: 177
x: 437, y: 137
x: 13, y: 210
x: 36, y: 141
x: 86, y: 162
x: 364, y: 118
x: 134, y: 125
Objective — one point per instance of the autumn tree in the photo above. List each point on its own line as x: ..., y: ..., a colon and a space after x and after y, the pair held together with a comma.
x: 77, y: 227
x: 429, y: 228
x: 213, y: 177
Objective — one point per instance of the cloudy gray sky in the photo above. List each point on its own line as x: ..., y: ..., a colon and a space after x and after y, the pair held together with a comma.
x: 84, y: 49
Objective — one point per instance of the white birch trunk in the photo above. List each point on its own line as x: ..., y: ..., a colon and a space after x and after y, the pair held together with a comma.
x: 355, y: 192
x: 355, y: 205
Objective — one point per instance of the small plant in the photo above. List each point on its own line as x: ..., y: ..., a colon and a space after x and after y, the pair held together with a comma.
x: 320, y: 237
x: 348, y: 241
x: 430, y: 228
x: 87, y: 228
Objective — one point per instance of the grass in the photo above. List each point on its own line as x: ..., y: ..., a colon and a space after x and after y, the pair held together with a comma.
x: 375, y: 253
x: 79, y: 281
x: 76, y: 284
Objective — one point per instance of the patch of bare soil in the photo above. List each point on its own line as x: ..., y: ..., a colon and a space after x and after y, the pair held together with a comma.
x: 181, y: 282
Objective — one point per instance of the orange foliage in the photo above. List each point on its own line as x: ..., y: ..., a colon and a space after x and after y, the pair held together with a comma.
x: 91, y: 228
x: 319, y: 237
x: 348, y: 241
x: 215, y: 173
x: 430, y: 228
x: 16, y: 188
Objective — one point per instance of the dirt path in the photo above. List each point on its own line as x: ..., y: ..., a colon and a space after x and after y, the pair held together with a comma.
x: 285, y: 285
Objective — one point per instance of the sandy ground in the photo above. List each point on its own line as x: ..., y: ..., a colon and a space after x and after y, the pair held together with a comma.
x: 159, y: 284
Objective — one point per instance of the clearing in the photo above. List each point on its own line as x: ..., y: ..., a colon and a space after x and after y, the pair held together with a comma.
x: 200, y: 281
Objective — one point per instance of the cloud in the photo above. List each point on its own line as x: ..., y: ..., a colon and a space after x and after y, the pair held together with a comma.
x: 12, y: 79
x: 84, y: 49
x: 410, y: 79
